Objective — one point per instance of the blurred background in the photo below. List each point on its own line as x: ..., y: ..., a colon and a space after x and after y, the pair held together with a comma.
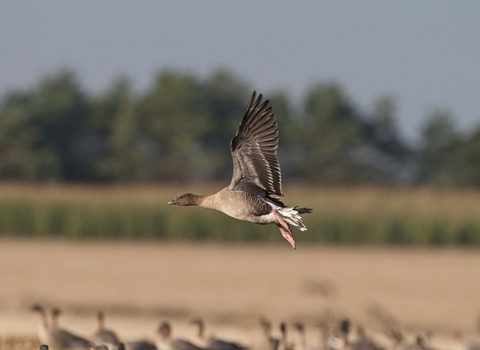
x: 110, y: 109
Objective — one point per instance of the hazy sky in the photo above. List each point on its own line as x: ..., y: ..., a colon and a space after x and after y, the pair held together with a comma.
x: 425, y: 53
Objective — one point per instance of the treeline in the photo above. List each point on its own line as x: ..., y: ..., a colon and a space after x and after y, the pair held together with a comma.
x: 180, y: 129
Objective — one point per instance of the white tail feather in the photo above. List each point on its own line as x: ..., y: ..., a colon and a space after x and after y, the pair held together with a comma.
x: 291, y: 216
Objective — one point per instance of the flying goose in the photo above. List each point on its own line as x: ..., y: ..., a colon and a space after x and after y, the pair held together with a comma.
x: 212, y: 342
x: 256, y: 176
x: 105, y: 336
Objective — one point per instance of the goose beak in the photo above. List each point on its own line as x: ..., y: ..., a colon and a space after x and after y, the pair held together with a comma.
x: 173, y: 202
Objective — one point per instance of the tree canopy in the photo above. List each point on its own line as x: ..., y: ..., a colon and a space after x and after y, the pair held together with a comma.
x: 180, y: 127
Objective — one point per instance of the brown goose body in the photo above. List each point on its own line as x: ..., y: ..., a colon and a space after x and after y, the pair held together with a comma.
x: 256, y: 176
x: 237, y: 204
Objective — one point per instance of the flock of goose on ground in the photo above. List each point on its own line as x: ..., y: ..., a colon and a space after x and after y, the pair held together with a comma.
x: 333, y: 334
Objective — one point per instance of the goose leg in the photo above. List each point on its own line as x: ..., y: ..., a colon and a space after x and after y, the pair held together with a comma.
x: 287, y: 235
x: 284, y: 229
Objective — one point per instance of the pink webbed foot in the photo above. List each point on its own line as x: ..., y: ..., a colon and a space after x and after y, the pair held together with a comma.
x: 284, y: 229
x: 287, y: 235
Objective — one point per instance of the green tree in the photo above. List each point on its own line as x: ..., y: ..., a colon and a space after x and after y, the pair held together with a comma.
x: 438, y: 155
x: 465, y: 162
x: 331, y: 132
x: 390, y: 158
x: 21, y: 156
x: 226, y: 98
x: 290, y: 132
x: 45, y: 131
x: 173, y: 117
x: 115, y: 116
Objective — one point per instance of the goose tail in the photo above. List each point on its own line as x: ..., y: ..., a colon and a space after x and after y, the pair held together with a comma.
x: 292, y: 216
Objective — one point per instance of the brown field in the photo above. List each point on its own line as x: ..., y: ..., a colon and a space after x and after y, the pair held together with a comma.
x: 140, y: 283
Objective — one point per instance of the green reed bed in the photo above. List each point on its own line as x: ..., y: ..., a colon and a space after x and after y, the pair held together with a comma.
x: 341, y: 215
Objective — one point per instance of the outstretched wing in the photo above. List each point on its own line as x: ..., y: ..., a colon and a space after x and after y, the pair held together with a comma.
x: 254, y: 151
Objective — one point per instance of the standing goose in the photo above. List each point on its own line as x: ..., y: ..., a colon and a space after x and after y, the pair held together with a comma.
x: 285, y: 344
x: 363, y: 342
x: 105, y: 336
x: 57, y: 338
x: 302, y: 339
x: 256, y: 176
x: 43, y: 329
x: 55, y: 314
x: 166, y: 342
x: 212, y: 342
x: 302, y: 335
x: 270, y: 343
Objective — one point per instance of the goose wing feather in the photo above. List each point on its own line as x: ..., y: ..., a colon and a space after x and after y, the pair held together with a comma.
x: 254, y: 151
